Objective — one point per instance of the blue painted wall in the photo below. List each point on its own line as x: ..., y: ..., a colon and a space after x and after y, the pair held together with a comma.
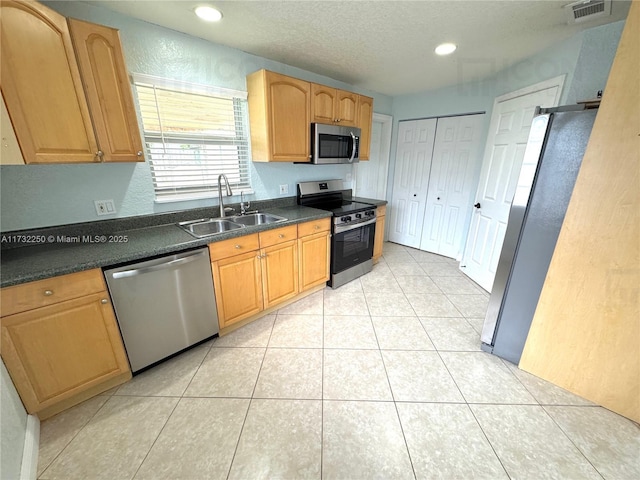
x: 43, y: 195
x: 585, y: 59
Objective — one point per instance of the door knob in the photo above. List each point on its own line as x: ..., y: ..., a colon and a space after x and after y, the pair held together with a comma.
x: 477, y: 205
x: 415, y: 195
x: 438, y: 198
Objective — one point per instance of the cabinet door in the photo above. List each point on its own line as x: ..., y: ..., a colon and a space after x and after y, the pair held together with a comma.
x: 288, y: 100
x: 104, y: 74
x: 41, y: 86
x: 56, y: 352
x: 323, y: 102
x: 378, y: 240
x: 365, y: 119
x: 346, y: 108
x: 280, y: 272
x: 238, y: 285
x: 10, y: 153
x: 314, y: 260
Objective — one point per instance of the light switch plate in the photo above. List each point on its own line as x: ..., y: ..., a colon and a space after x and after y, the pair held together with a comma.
x: 105, y: 207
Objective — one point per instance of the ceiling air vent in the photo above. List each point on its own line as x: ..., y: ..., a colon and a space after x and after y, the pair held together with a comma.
x: 587, y: 10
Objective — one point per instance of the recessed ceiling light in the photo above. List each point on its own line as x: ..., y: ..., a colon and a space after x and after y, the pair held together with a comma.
x: 446, y: 48
x: 209, y: 14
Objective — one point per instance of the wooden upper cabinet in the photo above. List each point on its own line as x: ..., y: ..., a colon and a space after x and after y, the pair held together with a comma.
x: 279, y: 117
x: 347, y: 108
x: 104, y: 74
x: 281, y: 109
x: 69, y: 99
x: 10, y: 153
x: 323, y: 102
x: 333, y: 106
x: 365, y: 119
x: 41, y: 86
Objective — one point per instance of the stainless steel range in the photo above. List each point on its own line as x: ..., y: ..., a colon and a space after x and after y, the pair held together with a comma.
x: 352, y: 228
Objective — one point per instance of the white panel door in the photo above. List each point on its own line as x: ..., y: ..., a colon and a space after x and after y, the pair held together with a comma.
x: 411, y: 180
x: 504, y: 152
x: 457, y: 156
x: 371, y: 176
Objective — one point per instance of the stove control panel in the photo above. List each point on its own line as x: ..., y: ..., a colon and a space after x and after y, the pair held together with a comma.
x: 367, y: 216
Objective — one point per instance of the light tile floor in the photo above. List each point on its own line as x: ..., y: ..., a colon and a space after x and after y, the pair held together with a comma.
x: 382, y: 378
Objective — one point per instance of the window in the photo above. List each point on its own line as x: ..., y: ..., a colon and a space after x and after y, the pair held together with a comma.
x: 193, y: 133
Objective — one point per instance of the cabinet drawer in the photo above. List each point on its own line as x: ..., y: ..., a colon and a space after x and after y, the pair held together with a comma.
x: 21, y: 298
x: 233, y: 246
x: 279, y: 235
x: 381, y: 211
x: 317, y: 226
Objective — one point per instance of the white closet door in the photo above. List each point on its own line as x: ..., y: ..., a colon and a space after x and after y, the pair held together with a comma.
x: 457, y: 156
x: 506, y: 142
x: 411, y: 181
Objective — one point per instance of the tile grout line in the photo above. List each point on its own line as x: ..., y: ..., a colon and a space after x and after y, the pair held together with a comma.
x: 393, y: 397
x: 198, y: 368
x: 571, y: 440
x: 72, y: 439
x: 246, y: 415
x: 466, y: 402
x: 157, y: 437
x: 489, y: 441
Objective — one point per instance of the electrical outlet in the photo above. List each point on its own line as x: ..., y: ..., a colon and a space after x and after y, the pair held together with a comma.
x: 105, y: 207
x: 284, y: 189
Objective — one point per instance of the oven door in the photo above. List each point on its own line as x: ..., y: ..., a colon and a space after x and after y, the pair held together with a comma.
x: 352, y: 245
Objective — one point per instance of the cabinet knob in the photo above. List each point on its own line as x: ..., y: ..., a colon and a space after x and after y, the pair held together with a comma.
x: 238, y: 247
x: 104, y: 301
x: 48, y: 293
x: 317, y: 227
x: 281, y: 235
x: 139, y: 153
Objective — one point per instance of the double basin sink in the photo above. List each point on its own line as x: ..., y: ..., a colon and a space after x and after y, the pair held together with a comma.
x: 205, y: 227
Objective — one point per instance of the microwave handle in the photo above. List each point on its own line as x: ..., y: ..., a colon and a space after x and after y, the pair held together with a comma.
x: 353, y: 150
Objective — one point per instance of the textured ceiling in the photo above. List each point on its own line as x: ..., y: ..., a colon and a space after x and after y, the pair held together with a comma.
x: 384, y: 46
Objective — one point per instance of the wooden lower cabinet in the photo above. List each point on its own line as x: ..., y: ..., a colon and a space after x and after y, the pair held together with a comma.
x: 314, y: 259
x: 237, y: 282
x: 275, y: 266
x: 379, y: 237
x: 279, y: 272
x: 62, y: 353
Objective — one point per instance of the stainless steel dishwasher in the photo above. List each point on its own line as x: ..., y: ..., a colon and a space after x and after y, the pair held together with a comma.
x: 163, y: 305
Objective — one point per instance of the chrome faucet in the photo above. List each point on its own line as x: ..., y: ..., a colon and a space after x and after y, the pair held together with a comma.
x: 229, y: 193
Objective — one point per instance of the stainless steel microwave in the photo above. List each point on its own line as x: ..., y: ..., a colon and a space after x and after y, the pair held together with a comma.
x: 334, y: 144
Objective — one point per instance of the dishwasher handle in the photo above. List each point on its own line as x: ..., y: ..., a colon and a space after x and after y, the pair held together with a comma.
x: 160, y: 266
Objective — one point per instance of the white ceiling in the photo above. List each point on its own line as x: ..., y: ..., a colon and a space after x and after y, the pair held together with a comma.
x: 384, y: 46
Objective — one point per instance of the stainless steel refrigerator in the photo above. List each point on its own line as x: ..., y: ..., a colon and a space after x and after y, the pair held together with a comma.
x: 552, y: 159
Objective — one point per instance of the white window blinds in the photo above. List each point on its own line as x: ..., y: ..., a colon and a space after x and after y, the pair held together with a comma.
x: 193, y: 133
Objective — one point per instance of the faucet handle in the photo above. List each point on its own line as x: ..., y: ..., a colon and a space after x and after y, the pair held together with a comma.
x: 243, y: 207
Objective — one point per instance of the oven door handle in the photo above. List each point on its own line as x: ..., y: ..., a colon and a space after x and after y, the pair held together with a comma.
x: 353, y: 149
x: 353, y: 226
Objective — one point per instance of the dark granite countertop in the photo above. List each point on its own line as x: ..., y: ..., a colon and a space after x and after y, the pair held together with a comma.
x: 145, y: 237
x: 372, y: 201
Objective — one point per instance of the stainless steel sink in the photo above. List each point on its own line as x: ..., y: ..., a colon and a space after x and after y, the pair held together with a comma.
x: 205, y: 227
x: 257, y: 219
x: 209, y: 226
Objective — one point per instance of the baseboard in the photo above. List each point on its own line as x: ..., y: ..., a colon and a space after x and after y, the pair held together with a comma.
x: 29, y: 469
